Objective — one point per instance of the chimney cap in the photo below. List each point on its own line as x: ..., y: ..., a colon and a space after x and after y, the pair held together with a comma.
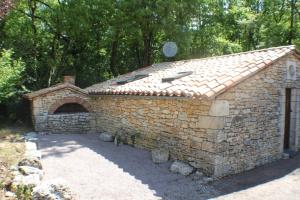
x: 69, y: 79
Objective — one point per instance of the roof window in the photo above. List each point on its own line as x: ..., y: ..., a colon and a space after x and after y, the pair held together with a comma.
x: 177, y: 76
x: 131, y: 79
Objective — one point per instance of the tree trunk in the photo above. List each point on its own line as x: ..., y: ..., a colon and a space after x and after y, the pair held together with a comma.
x: 113, y: 57
x: 147, y: 39
x: 137, y: 52
x: 291, y: 33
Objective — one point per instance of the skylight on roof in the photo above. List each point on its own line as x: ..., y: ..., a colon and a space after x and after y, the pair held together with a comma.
x: 177, y: 76
x: 131, y: 79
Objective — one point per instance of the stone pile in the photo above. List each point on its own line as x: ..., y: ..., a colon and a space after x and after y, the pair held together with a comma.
x: 29, y: 174
x: 52, y: 190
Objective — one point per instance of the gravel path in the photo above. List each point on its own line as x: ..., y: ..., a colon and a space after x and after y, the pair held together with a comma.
x: 279, y: 180
x: 286, y: 188
x: 99, y: 170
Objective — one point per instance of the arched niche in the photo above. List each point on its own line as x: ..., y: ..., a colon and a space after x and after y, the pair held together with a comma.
x: 70, y: 105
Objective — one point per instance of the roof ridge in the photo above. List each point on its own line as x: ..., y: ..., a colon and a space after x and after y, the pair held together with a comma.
x: 292, y: 47
x: 221, y: 76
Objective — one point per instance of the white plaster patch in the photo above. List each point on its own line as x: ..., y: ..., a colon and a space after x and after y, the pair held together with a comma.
x: 219, y: 108
x: 210, y: 122
x: 291, y: 70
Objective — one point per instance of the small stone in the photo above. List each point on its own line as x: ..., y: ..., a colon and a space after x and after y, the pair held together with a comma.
x: 52, y: 190
x: 106, y: 137
x: 285, y: 156
x: 29, y: 181
x: 27, y: 170
x: 31, y: 136
x: 160, y: 155
x: 9, y: 194
x: 181, y: 168
x: 30, y: 146
x: 199, y: 173
x: 207, y: 179
x: 33, y: 153
x: 31, y: 161
x: 13, y: 168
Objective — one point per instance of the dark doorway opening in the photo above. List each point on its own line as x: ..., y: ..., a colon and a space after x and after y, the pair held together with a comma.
x: 287, y: 118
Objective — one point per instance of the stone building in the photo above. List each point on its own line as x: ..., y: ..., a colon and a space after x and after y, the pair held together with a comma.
x: 223, y: 114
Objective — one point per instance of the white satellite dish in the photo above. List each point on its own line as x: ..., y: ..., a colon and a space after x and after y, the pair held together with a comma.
x: 170, y: 49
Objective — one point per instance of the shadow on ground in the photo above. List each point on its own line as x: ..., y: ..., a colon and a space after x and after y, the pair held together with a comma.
x: 62, y: 152
x: 137, y: 162
x: 260, y: 175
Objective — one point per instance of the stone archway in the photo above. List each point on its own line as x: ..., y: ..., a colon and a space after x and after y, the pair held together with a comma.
x: 69, y: 100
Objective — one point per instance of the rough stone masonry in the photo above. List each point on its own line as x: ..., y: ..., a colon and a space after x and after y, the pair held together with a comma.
x: 240, y: 128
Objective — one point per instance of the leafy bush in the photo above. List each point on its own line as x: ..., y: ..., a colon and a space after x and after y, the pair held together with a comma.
x: 10, y: 76
x: 24, y: 192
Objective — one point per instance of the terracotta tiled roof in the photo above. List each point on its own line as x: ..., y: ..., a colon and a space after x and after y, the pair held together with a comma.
x: 54, y: 88
x: 210, y: 76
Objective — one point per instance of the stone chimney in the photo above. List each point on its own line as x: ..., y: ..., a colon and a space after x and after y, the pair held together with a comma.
x: 69, y: 79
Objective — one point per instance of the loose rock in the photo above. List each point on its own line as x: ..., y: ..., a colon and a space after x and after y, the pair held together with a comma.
x: 207, y: 179
x: 31, y: 161
x: 52, y: 190
x: 30, y: 146
x: 27, y: 170
x: 29, y: 181
x: 35, y: 153
x: 181, y: 168
x: 31, y: 136
x: 285, y: 156
x: 106, y: 137
x: 160, y: 155
x: 11, y: 195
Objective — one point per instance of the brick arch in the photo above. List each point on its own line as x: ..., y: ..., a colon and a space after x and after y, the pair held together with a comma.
x: 66, y: 100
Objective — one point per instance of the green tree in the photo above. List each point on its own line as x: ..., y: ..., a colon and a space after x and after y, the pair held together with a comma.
x: 96, y: 40
x: 10, y: 76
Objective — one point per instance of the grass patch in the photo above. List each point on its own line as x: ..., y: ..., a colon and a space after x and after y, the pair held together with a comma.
x: 12, y: 149
x: 11, y: 146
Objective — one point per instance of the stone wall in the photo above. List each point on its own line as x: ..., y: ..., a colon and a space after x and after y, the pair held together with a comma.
x: 239, y: 130
x: 176, y: 124
x: 71, y: 123
x: 254, y: 130
x: 44, y: 120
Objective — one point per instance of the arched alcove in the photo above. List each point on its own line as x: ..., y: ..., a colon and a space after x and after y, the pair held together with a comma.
x: 70, y: 105
x: 69, y: 108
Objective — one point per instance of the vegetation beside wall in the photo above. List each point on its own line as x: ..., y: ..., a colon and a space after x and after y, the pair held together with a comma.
x: 96, y: 40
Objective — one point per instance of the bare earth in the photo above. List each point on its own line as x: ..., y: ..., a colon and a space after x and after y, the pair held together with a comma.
x: 97, y: 170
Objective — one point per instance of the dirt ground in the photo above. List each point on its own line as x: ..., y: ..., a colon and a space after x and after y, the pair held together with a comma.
x: 99, y: 170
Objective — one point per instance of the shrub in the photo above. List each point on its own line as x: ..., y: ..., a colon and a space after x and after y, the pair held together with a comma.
x: 10, y: 76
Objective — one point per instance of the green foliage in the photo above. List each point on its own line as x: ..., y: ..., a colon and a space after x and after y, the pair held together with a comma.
x: 24, y: 192
x: 10, y: 76
x: 96, y: 40
x: 126, y: 137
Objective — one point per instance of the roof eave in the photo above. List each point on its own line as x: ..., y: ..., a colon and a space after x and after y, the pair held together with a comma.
x: 32, y: 95
x: 292, y: 52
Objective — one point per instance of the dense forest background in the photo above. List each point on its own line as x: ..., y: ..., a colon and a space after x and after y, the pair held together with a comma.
x: 41, y: 40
